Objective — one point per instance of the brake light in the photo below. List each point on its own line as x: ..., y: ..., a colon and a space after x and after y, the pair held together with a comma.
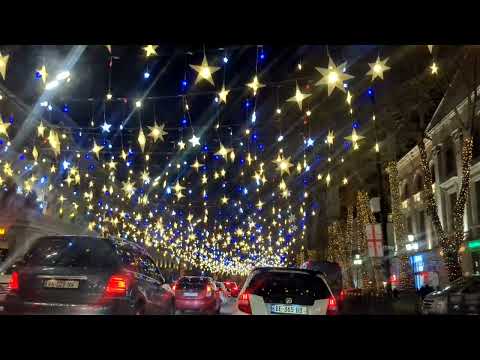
x: 243, y: 303
x: 174, y: 286
x: 14, y: 284
x: 332, y: 308
x: 117, y: 285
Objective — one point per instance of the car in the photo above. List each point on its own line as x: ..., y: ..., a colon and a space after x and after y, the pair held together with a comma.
x: 224, y: 293
x: 4, y: 281
x: 197, y: 294
x: 232, y: 288
x: 462, y: 297
x: 87, y: 275
x: 282, y: 291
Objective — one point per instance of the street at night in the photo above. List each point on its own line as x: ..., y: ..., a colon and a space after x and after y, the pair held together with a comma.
x: 168, y: 179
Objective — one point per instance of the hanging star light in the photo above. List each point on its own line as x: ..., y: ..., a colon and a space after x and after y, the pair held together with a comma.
x: 53, y: 169
x: 223, y: 95
x: 330, y: 138
x: 128, y: 188
x: 434, y: 68
x: 4, y: 127
x: 333, y: 77
x: 377, y: 68
x: 284, y: 165
x: 43, y: 74
x: 259, y: 205
x: 3, y: 64
x: 223, y: 151
x: 54, y: 142
x: 196, y: 165
x: 112, y: 165
x: 255, y: 85
x: 298, y: 97
x: 354, y: 138
x: 195, y: 141
x: 96, y: 149
x: 150, y: 50
x: 181, y: 145
x: 141, y: 139
x: 157, y: 132
x: 41, y: 130
x: 224, y: 200
x: 328, y: 179
x: 349, y: 98
x: 106, y: 127
x: 124, y: 155
x: 35, y: 153
x: 204, y: 71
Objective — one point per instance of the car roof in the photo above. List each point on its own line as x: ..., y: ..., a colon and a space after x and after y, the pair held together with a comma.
x: 283, y: 269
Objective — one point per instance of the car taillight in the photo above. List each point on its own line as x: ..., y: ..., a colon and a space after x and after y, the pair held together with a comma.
x: 244, y: 303
x: 14, y: 284
x: 117, y: 285
x: 332, y: 308
x: 174, y: 287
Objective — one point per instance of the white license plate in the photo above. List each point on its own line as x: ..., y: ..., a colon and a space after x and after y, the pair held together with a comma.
x: 192, y: 294
x: 289, y: 309
x: 61, y: 284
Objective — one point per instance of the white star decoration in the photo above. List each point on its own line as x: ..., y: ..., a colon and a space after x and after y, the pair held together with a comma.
x: 334, y: 76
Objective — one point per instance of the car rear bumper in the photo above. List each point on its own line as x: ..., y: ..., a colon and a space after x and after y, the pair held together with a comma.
x: 198, y: 305
x: 15, y: 306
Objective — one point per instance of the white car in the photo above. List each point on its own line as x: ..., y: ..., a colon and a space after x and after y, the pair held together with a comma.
x: 285, y: 291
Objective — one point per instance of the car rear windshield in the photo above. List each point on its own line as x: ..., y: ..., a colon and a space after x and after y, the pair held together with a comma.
x: 192, y: 283
x: 275, y: 283
x: 71, y: 252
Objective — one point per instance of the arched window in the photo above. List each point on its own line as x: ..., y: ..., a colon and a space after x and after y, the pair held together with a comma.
x: 418, y: 183
x: 405, y: 192
x: 450, y: 162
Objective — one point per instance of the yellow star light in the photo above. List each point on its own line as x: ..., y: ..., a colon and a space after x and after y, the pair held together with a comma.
x: 69, y: 180
x: 145, y: 177
x: 96, y: 149
x: 128, y: 188
x: 196, y: 165
x: 4, y: 127
x: 259, y: 204
x: 181, y: 145
x: 434, y: 68
x: 124, y: 155
x: 157, y: 132
x: 112, y: 165
x: 204, y: 71
x: 255, y: 85
x: 44, y: 74
x: 354, y: 138
x: 284, y: 165
x: 150, y: 50
x: 299, y: 97
x: 249, y: 159
x: 53, y: 169
x: 223, y: 172
x: 349, y: 98
x: 178, y: 187
x: 141, y: 139
x: 35, y: 153
x: 377, y: 68
x: 224, y: 200
x: 54, y: 142
x: 3, y: 64
x: 223, y: 95
x: 204, y: 179
x: 330, y: 138
x: 328, y: 179
x: 41, y: 130
x: 223, y: 151
x: 334, y: 76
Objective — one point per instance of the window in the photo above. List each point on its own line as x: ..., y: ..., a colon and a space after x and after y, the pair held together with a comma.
x: 418, y: 183
x: 450, y: 162
x: 71, y: 251
x: 477, y: 194
x: 406, y: 192
x: 274, y: 286
x: 409, y: 225
x: 422, y: 231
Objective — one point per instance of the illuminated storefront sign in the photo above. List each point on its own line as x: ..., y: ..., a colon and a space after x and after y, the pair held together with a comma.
x: 475, y: 244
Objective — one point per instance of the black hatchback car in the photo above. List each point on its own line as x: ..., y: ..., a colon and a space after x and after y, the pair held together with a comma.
x: 88, y: 275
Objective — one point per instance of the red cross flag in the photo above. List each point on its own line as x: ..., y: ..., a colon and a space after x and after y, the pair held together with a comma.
x: 374, y: 240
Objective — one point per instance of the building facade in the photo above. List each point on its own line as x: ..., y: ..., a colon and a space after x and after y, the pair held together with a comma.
x: 444, y: 150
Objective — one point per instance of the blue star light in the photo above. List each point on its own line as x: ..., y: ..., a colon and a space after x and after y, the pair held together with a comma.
x: 310, y: 142
x: 106, y: 127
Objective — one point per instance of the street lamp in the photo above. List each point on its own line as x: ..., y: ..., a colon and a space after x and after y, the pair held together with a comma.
x: 358, y: 262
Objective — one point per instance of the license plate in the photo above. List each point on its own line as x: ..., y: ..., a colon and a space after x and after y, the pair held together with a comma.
x: 289, y: 309
x: 61, y: 284
x: 192, y: 294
